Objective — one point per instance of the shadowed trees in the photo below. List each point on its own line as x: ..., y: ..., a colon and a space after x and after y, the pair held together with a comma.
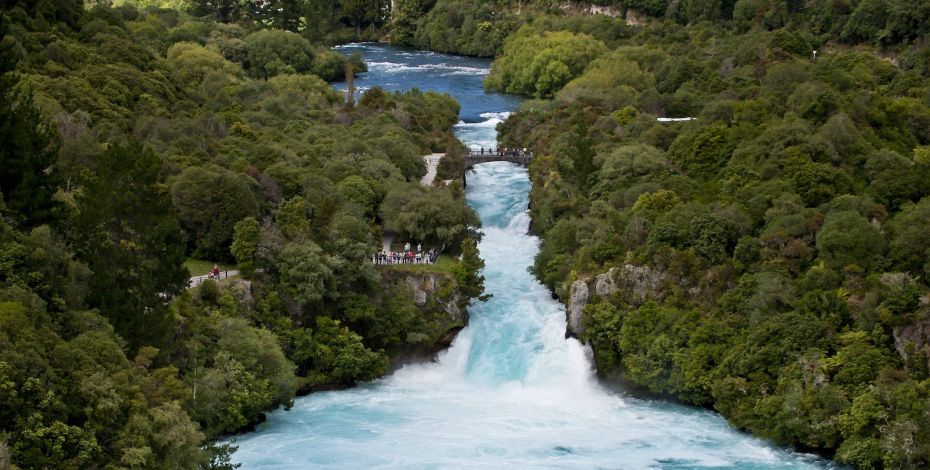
x: 126, y: 231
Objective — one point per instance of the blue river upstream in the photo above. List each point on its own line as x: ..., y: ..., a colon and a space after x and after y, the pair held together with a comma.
x: 511, y: 391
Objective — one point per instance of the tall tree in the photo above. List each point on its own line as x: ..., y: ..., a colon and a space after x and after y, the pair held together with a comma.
x: 361, y: 13
x: 246, y: 236
x: 28, y: 179
x: 209, y: 202
x: 224, y: 11
x: 126, y: 231
x: 582, y: 156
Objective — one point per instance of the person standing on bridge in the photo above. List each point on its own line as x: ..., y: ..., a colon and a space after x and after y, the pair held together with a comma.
x: 482, y: 150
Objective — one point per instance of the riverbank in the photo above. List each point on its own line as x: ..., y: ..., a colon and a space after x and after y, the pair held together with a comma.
x: 700, y: 259
x: 511, y: 387
x: 510, y: 382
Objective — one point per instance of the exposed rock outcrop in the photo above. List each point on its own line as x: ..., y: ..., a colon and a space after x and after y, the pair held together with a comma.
x: 630, y: 16
x: 639, y: 284
x: 635, y: 285
x: 913, y: 338
x: 440, y: 308
x: 604, y: 284
x: 426, y: 286
x: 589, y: 9
x: 577, y: 299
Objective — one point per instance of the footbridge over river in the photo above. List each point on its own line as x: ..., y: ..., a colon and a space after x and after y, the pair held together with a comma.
x: 476, y: 157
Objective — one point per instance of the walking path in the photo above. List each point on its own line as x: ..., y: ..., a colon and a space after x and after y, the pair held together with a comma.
x: 432, y: 161
x: 197, y: 280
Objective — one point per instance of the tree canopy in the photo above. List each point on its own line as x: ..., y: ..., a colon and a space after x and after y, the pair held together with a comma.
x: 138, y: 140
x: 768, y: 249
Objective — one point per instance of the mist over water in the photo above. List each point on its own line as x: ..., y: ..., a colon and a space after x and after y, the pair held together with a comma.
x: 511, y: 392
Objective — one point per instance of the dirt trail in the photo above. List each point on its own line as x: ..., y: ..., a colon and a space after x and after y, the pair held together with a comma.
x: 432, y: 161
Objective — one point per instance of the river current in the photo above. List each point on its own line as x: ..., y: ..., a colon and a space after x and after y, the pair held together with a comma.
x: 511, y: 392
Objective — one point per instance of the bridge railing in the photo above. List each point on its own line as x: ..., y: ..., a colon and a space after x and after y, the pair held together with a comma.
x: 493, y: 152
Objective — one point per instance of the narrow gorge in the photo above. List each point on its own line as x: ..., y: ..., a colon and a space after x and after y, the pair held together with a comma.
x: 511, y: 390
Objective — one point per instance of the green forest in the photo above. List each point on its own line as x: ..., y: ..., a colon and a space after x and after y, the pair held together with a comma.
x: 769, y: 257
x: 779, y: 237
x: 481, y: 27
x: 135, y: 138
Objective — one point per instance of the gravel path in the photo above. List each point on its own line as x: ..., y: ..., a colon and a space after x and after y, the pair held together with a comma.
x: 432, y: 161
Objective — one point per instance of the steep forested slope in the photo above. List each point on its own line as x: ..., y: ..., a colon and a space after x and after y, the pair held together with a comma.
x: 767, y: 258
x: 480, y: 27
x: 135, y: 138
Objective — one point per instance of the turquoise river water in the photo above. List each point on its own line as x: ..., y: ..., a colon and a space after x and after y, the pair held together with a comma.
x: 511, y: 392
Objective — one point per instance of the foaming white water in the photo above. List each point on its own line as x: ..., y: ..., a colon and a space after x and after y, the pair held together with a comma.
x: 496, y: 117
x: 491, y: 120
x: 483, y: 133
x: 441, y: 69
x: 510, y: 392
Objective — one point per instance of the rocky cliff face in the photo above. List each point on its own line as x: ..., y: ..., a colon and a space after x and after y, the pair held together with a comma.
x: 441, y: 310
x: 588, y: 9
x: 913, y: 339
x: 427, y: 287
x: 633, y: 284
x: 630, y: 16
x: 577, y: 299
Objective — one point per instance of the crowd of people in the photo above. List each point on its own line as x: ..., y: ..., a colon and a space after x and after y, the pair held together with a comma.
x: 407, y: 256
x: 503, y: 151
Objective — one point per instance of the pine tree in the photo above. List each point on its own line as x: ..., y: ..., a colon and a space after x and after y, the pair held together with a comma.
x: 28, y: 179
x: 127, y: 233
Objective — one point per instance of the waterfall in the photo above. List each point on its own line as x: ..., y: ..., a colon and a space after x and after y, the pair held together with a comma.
x: 511, y: 391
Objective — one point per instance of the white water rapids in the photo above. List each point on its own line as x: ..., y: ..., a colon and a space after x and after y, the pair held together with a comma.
x: 511, y: 392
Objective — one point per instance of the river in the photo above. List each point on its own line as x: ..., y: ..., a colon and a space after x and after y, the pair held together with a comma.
x: 511, y: 392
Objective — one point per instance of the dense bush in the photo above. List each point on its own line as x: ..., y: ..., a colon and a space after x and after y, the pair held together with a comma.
x: 458, y: 26
x: 135, y: 139
x: 778, y: 239
x: 209, y: 202
x: 540, y: 65
x: 481, y: 28
x: 274, y: 52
